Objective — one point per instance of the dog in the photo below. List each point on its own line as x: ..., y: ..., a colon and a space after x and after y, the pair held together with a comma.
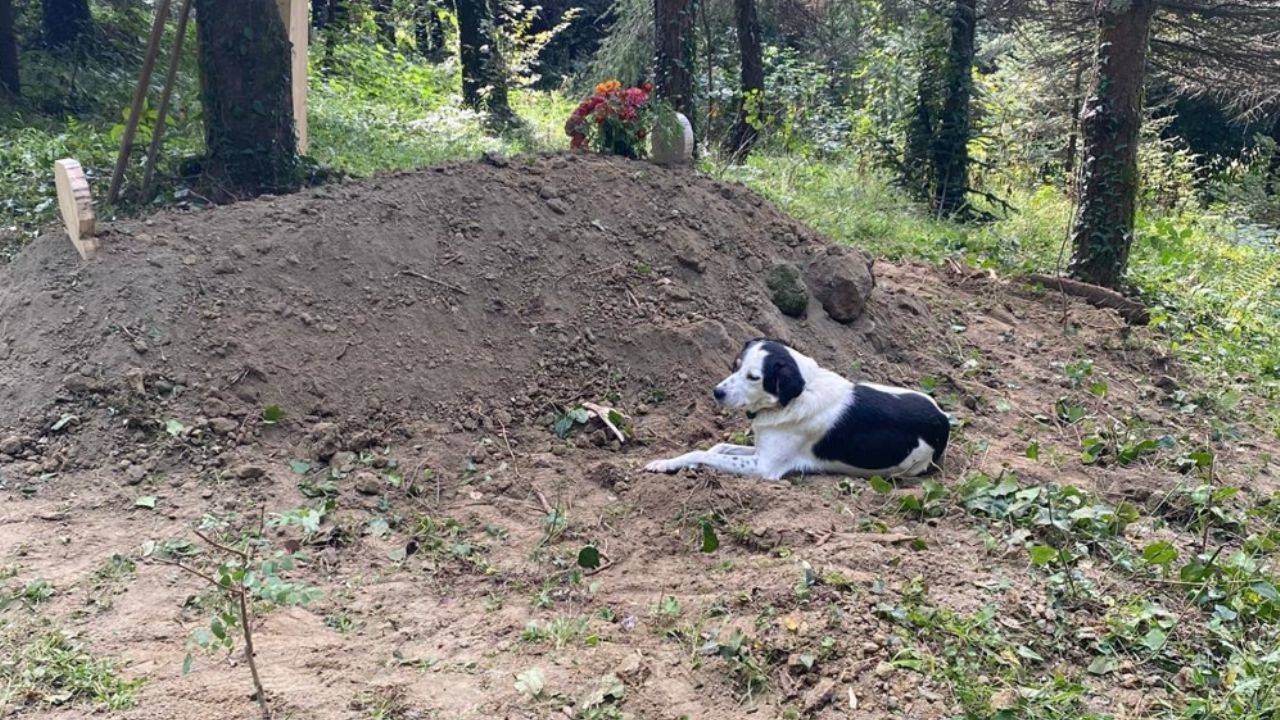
x: 810, y: 420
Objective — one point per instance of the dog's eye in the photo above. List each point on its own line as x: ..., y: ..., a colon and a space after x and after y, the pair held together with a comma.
x: 752, y: 377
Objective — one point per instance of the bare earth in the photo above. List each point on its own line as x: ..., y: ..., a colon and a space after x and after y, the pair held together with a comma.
x: 422, y: 333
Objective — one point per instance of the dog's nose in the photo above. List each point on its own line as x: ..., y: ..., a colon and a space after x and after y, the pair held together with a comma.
x: 718, y: 393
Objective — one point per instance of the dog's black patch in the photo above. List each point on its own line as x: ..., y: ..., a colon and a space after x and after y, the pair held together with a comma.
x: 780, y: 373
x: 878, y: 430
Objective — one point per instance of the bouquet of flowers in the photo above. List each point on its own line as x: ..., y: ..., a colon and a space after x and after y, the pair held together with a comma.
x: 613, y: 120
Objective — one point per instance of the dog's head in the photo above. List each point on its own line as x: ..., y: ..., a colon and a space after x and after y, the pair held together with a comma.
x: 766, y: 376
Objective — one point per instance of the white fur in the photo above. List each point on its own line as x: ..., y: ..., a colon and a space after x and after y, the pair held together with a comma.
x: 785, y: 436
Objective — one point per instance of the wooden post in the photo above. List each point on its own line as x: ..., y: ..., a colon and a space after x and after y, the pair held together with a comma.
x: 297, y: 26
x: 139, y: 98
x: 76, y: 204
x: 157, y: 133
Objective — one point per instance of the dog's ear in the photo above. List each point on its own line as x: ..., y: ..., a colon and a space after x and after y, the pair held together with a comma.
x: 782, y: 377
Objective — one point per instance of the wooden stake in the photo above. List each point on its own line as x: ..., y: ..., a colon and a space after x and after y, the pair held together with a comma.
x: 157, y: 133
x: 76, y: 204
x: 139, y: 98
x: 297, y: 27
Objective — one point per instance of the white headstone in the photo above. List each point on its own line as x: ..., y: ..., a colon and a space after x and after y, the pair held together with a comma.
x: 672, y: 142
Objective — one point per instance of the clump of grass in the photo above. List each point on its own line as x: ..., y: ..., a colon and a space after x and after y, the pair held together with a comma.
x: 52, y: 668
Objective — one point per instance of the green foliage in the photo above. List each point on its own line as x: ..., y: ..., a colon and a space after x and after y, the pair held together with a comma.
x: 46, y: 667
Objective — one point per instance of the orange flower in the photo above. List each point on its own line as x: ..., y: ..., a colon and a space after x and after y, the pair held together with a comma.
x: 608, y: 86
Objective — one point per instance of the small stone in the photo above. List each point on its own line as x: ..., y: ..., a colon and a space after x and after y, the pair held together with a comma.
x: 676, y: 293
x: 343, y: 462
x: 223, y: 426
x: 819, y: 696
x: 786, y: 289
x: 248, y: 471
x: 134, y: 474
x: 11, y: 445
x: 139, y: 346
x: 558, y: 206
x: 367, y: 483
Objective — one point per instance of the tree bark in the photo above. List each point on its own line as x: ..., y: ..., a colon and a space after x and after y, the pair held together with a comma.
x: 950, y: 146
x: 751, y: 60
x: 65, y: 21
x: 8, y: 50
x: 1273, y: 167
x: 1109, y: 127
x: 484, y: 81
x: 673, y: 50
x: 248, y: 106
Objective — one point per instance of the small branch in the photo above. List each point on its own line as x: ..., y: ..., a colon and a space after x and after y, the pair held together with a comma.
x: 1134, y: 312
x: 248, y: 654
x: 195, y: 572
x: 239, y: 553
x: 435, y: 281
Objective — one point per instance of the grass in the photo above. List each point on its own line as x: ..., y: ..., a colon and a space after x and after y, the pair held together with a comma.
x: 1214, y: 283
x: 49, y: 667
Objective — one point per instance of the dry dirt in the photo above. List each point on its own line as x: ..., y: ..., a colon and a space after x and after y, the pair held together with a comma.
x: 436, y: 324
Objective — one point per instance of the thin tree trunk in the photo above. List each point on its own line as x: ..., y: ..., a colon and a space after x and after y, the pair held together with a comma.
x: 384, y: 18
x: 1273, y: 168
x: 950, y: 148
x: 65, y: 21
x: 673, y: 62
x: 1109, y: 126
x: 319, y: 13
x: 429, y: 32
x: 8, y: 50
x: 916, y: 160
x: 484, y: 82
x: 247, y: 97
x: 1073, y: 136
x: 751, y: 59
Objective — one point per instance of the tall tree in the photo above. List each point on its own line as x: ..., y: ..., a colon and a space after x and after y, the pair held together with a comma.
x: 429, y: 31
x: 245, y: 89
x: 1109, y: 125
x: 65, y: 21
x: 8, y: 50
x: 484, y: 74
x: 673, y: 61
x: 950, y: 146
x: 751, y: 61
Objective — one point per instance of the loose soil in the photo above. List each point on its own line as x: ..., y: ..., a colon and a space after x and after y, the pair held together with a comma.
x: 423, y: 333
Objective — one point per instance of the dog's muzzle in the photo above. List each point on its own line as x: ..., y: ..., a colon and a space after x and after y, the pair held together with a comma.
x: 718, y: 394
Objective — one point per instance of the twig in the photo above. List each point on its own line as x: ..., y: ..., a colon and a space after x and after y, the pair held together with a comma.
x: 195, y: 572
x: 243, y: 555
x: 436, y: 281
x: 1131, y: 310
x: 253, y: 664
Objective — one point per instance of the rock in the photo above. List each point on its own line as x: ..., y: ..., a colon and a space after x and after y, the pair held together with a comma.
x: 557, y: 206
x: 343, y: 462
x: 367, y: 483
x: 248, y: 471
x: 11, y: 445
x: 786, y: 289
x: 842, y: 282
x: 819, y: 696
x: 134, y: 474
x: 223, y: 426
x: 676, y: 293
x: 672, y: 141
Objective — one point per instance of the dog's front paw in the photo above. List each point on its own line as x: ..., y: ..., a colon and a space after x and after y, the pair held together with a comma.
x: 663, y: 466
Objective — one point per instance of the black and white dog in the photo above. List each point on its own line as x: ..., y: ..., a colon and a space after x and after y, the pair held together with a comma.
x: 810, y: 420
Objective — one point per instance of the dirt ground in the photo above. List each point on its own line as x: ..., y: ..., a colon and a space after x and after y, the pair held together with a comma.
x: 423, y: 333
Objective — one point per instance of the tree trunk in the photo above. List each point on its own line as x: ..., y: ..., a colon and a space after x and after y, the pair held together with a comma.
x: 484, y: 82
x: 950, y: 146
x: 429, y: 32
x: 1073, y: 136
x: 65, y: 21
x: 751, y: 59
x: 1109, y: 127
x: 8, y: 50
x: 673, y: 63
x: 1273, y: 167
x: 916, y: 160
x: 384, y: 18
x: 245, y: 88
x: 319, y: 13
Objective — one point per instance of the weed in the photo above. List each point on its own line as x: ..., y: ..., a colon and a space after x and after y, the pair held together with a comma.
x: 49, y: 667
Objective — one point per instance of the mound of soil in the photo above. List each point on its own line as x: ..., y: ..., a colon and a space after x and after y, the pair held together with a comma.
x: 446, y: 294
x: 422, y: 334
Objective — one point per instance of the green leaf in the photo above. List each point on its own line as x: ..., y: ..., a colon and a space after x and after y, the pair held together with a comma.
x: 217, y: 629
x: 186, y: 664
x: 63, y: 422
x: 531, y: 682
x: 709, y: 540
x: 880, y: 485
x: 300, y: 467
x: 272, y: 414
x: 1160, y: 553
x: 1104, y: 665
x: 174, y: 427
x: 146, y: 501
x: 1154, y: 639
x: 1042, y: 555
x: 589, y: 557
x: 1033, y: 450
x: 1029, y: 654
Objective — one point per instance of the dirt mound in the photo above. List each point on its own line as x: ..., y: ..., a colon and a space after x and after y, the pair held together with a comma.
x: 443, y: 294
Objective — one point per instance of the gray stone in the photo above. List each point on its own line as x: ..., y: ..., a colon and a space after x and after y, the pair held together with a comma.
x: 786, y: 289
x: 248, y: 471
x: 11, y: 445
x: 842, y: 282
x: 672, y: 142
